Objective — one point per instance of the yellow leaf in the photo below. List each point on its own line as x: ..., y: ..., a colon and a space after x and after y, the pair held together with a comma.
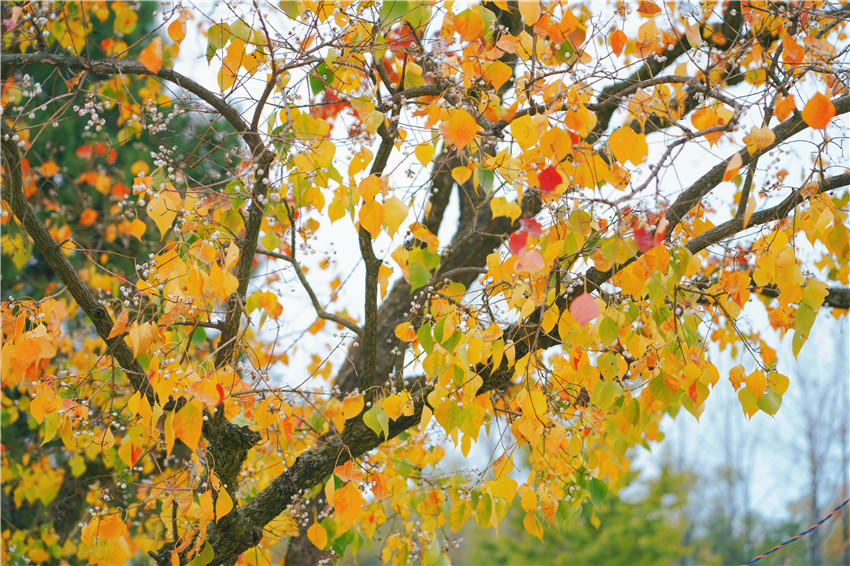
x: 461, y: 174
x: 371, y: 215
x: 137, y: 228
x: 460, y: 129
x: 405, y: 332
x: 424, y: 153
x: 151, y: 56
x: 395, y: 212
x: 351, y: 406
x: 532, y: 525
x: 359, y: 161
x: 759, y: 138
x: 501, y: 207
x: 163, y: 208
x: 369, y: 187
x: 232, y: 255
x: 392, y: 406
x: 140, y: 337
x: 317, y: 535
x: 498, y: 73
x: 628, y: 145
x: 223, y: 505
x: 231, y: 64
x: 524, y: 131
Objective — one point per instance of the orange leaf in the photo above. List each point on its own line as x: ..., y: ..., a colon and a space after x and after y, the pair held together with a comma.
x: 793, y: 52
x: 732, y: 167
x: 347, y: 504
x: 119, y: 326
x: 461, y: 129
x: 648, y: 9
x: 628, y: 145
x: 177, y: 30
x: 818, y: 111
x: 371, y: 215
x: 88, y: 217
x: 151, y: 56
x: 405, y: 332
x: 111, y: 527
x: 748, y: 212
x: 208, y: 391
x: 222, y: 283
x: 469, y: 25
x: 784, y: 108
x: 137, y: 228
x: 618, y: 41
x: 529, y: 10
x: 187, y: 424
x: 317, y: 535
x: 49, y: 168
x: 756, y: 382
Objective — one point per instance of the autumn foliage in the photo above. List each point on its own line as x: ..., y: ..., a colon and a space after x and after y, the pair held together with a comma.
x: 268, y: 270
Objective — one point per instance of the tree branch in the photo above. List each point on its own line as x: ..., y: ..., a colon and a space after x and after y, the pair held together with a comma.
x: 52, y: 253
x: 128, y: 67
x: 320, y: 311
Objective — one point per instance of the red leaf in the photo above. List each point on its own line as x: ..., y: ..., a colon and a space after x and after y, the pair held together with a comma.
x: 584, y: 309
x: 517, y: 241
x: 549, y: 179
x: 661, y: 230
x: 644, y: 238
x: 531, y: 226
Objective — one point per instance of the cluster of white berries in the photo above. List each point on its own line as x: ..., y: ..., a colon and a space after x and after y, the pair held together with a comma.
x: 15, y: 138
x: 29, y: 88
x: 92, y: 108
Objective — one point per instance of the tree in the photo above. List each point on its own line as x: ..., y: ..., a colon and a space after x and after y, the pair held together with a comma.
x: 570, y: 305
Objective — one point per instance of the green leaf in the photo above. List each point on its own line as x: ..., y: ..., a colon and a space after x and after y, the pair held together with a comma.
x: 321, y: 77
x: 218, y: 34
x: 606, y: 393
x: 205, y: 557
x: 199, y: 336
x: 660, y: 391
x: 608, y: 330
x: 423, y: 333
x: 378, y: 421
x: 770, y: 402
x: 805, y: 318
x: 598, y: 491
x: 342, y: 542
x: 393, y: 10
